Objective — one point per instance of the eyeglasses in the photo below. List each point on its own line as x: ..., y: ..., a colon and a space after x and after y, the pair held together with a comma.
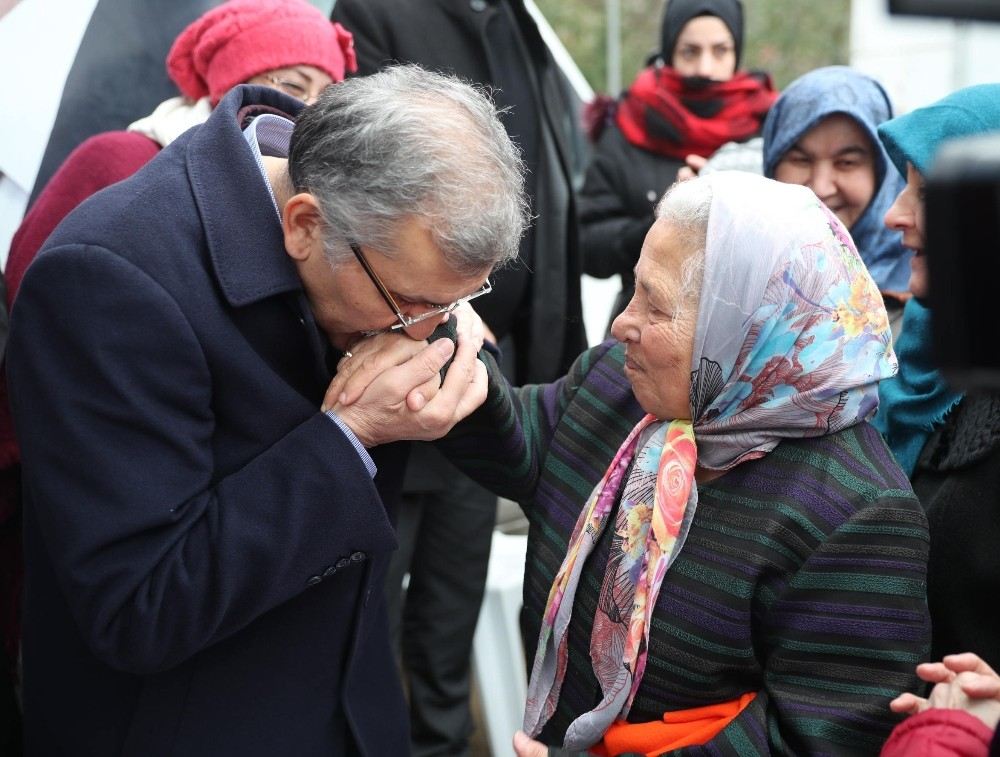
x: 293, y: 88
x: 405, y: 321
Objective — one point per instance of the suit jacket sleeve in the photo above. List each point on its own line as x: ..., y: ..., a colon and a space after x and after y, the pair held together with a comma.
x: 161, y: 554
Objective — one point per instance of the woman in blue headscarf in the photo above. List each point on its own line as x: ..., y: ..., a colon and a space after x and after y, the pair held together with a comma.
x: 821, y: 133
x: 949, y: 444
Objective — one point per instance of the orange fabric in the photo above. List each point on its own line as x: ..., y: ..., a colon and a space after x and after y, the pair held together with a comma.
x: 680, y: 728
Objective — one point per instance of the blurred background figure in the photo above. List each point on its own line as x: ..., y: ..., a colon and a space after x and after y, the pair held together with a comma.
x: 94, y: 65
x: 948, y: 444
x: 286, y: 44
x: 446, y: 521
x: 689, y: 101
x: 821, y: 133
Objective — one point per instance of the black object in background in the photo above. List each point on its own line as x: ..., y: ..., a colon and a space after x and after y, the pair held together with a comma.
x: 977, y: 10
x: 963, y: 255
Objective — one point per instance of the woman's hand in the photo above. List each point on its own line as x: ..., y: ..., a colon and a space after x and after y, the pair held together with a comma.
x: 961, y: 681
x: 694, y: 165
x: 525, y: 746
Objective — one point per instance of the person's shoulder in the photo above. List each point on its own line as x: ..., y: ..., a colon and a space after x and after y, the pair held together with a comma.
x: 854, y: 463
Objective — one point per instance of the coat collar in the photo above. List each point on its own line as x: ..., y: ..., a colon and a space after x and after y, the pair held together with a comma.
x: 245, y: 243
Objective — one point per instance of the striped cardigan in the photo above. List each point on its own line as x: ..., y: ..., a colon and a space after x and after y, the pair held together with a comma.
x: 802, y: 578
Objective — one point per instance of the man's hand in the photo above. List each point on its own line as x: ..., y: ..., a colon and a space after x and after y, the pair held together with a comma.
x: 404, y: 401
x: 368, y: 360
x: 373, y: 356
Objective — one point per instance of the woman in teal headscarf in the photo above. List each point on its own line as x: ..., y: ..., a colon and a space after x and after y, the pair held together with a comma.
x: 949, y: 444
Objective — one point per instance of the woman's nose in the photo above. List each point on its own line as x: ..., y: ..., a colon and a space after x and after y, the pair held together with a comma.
x: 623, y: 328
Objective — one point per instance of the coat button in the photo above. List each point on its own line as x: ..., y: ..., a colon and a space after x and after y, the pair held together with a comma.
x: 330, y: 570
x: 358, y: 556
x: 314, y: 580
x: 477, y: 5
x: 343, y: 562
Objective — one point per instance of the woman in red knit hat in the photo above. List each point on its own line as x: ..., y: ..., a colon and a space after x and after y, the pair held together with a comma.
x: 286, y: 44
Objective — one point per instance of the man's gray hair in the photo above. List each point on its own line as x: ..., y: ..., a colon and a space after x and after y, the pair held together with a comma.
x: 686, y: 207
x: 406, y: 142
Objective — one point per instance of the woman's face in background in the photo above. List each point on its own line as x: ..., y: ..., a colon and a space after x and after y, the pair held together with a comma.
x: 705, y: 48
x: 302, y: 82
x: 907, y: 215
x: 836, y: 160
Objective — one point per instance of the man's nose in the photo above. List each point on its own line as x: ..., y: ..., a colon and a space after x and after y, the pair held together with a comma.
x: 423, y: 329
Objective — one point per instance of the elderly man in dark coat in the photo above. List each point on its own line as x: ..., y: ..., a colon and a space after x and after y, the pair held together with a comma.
x: 206, y: 529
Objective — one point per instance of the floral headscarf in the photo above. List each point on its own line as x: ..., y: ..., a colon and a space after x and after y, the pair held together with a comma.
x: 791, y: 341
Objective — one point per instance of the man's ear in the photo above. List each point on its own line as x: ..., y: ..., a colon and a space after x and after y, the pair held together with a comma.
x: 302, y: 224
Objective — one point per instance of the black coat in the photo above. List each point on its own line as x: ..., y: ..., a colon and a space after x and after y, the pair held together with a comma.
x: 620, y: 192
x: 205, y: 550
x: 957, y: 479
x: 456, y: 37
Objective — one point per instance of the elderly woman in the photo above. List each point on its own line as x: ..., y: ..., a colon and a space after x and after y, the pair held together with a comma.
x: 949, y: 444
x: 821, y: 133
x: 691, y: 100
x: 722, y: 550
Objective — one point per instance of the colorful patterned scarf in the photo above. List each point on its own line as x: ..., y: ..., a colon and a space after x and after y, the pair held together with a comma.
x: 791, y: 341
x: 676, y: 116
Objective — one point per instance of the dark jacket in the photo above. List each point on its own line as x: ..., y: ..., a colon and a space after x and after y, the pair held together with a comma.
x: 620, y: 192
x: 957, y: 479
x: 204, y: 548
x: 461, y: 37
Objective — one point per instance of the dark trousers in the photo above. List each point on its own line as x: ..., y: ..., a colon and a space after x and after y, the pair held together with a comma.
x: 444, y: 544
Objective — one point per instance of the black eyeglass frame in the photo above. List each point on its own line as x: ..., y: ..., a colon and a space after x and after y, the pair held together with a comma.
x: 406, y: 321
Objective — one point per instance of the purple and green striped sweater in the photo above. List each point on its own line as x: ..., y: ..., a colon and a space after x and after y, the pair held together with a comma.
x: 803, y: 576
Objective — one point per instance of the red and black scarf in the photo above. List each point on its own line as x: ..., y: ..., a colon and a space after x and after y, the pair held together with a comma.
x: 676, y: 116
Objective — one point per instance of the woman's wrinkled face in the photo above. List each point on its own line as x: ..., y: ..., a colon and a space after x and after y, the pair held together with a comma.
x: 658, y: 327
x: 836, y: 160
x: 705, y: 48
x: 907, y: 215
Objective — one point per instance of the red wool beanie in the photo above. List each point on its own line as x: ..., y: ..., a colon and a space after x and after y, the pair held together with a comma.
x: 240, y: 39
